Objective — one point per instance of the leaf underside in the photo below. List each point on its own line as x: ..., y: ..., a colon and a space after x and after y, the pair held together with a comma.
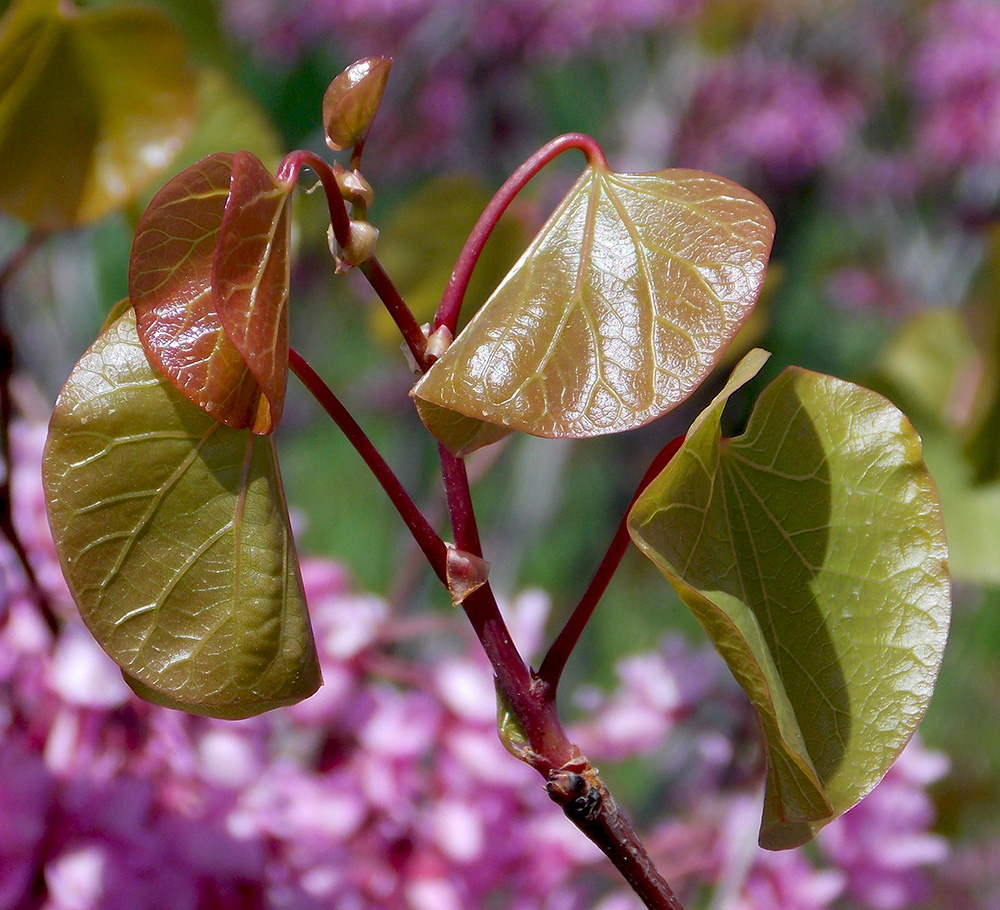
x: 93, y: 104
x: 617, y: 311
x: 812, y: 551
x: 174, y: 538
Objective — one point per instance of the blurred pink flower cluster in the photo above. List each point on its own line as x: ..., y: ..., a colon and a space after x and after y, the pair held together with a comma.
x: 390, y: 787
x: 882, y: 92
x: 955, y: 77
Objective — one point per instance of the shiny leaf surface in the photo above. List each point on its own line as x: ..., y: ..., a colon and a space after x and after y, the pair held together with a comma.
x: 174, y: 538
x: 93, y: 104
x: 812, y: 551
x: 618, y: 310
x: 170, y: 286
x: 250, y: 277
x: 352, y: 99
x: 209, y: 280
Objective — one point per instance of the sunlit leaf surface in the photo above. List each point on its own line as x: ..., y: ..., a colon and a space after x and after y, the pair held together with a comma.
x: 93, y: 104
x: 250, y: 276
x: 174, y: 538
x: 209, y: 280
x: 352, y: 100
x: 811, y: 549
x: 617, y: 311
x: 170, y: 286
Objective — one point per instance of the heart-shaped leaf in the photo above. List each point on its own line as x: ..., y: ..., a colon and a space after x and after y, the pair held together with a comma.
x: 174, y: 538
x: 93, y: 104
x: 250, y: 277
x: 811, y: 548
x: 217, y: 236
x: 620, y: 307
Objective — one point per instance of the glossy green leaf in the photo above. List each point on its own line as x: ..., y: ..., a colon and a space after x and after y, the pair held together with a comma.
x: 620, y: 307
x: 352, y: 100
x: 170, y: 286
x: 250, y: 278
x: 93, y: 104
x: 174, y: 538
x: 811, y: 549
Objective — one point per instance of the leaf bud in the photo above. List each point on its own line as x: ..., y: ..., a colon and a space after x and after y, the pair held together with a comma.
x: 352, y: 99
x: 438, y: 342
x: 360, y: 248
x: 354, y: 188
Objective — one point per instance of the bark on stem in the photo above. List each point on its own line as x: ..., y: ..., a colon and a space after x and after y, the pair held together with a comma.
x: 571, y: 780
x: 585, y: 799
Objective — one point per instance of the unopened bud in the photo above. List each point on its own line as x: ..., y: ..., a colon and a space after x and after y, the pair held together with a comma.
x: 352, y: 99
x: 360, y: 248
x: 465, y: 573
x: 354, y: 188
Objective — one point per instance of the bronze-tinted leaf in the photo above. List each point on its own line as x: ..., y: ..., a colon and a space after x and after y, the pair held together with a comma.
x: 621, y: 306
x: 352, y: 100
x: 174, y: 538
x: 250, y: 276
x: 93, y: 104
x: 170, y: 286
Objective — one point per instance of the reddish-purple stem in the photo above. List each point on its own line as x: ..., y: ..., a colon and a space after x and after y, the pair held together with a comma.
x: 426, y: 537
x: 340, y: 221
x: 529, y: 701
x: 288, y: 172
x: 558, y: 654
x: 401, y: 314
x: 451, y: 301
x: 572, y: 781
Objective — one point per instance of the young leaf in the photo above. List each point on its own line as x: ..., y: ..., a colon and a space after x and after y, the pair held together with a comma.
x: 250, y: 276
x: 352, y: 99
x: 208, y: 278
x: 93, y: 104
x: 170, y: 286
x: 620, y: 307
x: 174, y: 538
x: 811, y: 549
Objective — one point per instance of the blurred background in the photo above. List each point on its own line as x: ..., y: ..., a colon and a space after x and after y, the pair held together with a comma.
x: 870, y: 127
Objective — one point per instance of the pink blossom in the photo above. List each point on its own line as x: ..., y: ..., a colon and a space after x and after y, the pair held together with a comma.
x: 955, y: 76
x: 26, y: 791
x: 884, y: 843
x: 776, y: 116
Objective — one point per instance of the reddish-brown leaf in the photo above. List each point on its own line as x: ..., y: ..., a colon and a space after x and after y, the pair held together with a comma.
x: 352, y: 100
x: 250, y: 275
x: 170, y: 286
